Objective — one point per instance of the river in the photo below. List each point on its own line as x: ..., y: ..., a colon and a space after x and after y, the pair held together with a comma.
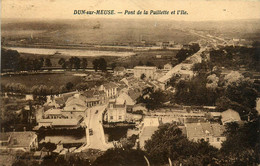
x: 70, y: 52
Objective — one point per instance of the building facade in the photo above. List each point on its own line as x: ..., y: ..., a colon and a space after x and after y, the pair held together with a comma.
x: 146, y: 71
x: 116, y: 111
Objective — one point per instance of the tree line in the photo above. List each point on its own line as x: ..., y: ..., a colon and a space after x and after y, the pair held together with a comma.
x: 11, y: 60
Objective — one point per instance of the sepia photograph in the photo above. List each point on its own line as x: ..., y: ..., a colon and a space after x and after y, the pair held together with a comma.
x: 130, y: 83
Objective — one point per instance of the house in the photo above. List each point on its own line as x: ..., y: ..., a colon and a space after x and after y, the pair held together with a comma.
x: 146, y: 71
x: 71, y: 116
x: 53, y: 113
x: 95, y: 97
x: 230, y: 116
x: 213, y: 133
x: 75, y: 106
x: 167, y: 67
x: 134, y: 93
x: 128, y: 101
x: 120, y: 71
x: 116, y: 111
x: 110, y: 89
x: 24, y: 141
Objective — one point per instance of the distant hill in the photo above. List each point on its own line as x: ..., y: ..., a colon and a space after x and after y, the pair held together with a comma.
x: 112, y: 31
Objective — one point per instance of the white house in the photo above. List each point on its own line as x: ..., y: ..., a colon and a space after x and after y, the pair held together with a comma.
x: 147, y: 71
x: 110, y: 89
x: 116, y: 111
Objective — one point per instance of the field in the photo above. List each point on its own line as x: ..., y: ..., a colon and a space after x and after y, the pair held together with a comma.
x: 167, y: 56
x: 29, y: 80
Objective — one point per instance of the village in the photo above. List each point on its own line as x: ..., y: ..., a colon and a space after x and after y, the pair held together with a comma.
x: 129, y: 91
x: 116, y: 104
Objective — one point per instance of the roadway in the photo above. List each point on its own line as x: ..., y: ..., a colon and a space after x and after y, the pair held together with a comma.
x: 94, y: 121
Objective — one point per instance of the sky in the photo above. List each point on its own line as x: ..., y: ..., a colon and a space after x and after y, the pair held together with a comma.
x: 198, y: 10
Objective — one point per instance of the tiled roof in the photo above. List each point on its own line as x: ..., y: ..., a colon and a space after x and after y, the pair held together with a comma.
x: 134, y: 94
x: 127, y: 98
x: 53, y: 111
x: 75, y: 107
x: 204, y: 129
x: 145, y: 67
x: 60, y: 100
x: 60, y: 122
x: 69, y: 94
x: 110, y: 85
x: 76, y: 101
x: 230, y: 115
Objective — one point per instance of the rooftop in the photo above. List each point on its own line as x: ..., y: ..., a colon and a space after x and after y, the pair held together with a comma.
x: 53, y: 111
x: 145, y: 67
x: 230, y: 115
x: 204, y: 129
x: 60, y: 122
x: 110, y: 85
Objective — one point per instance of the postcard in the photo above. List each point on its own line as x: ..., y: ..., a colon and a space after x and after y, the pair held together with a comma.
x: 130, y: 83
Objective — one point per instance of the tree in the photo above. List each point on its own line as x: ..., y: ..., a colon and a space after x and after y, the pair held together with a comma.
x: 143, y: 76
x: 84, y: 63
x: 62, y: 62
x: 95, y: 64
x: 184, y: 53
x: 212, y: 82
x: 37, y: 64
x: 169, y: 142
x: 76, y: 63
x: 140, y: 63
x: 233, y: 77
x: 113, y: 65
x: 69, y: 86
x: 82, y: 86
x: 119, y: 156
x: 148, y: 63
x: 40, y: 92
x: 71, y: 62
x: 247, y: 137
x: 48, y: 62
x: 241, y: 98
x: 9, y: 60
x: 155, y: 100
x: 102, y: 64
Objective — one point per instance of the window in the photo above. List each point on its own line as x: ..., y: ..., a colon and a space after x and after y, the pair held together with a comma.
x: 218, y: 139
x: 111, y: 117
x: 120, y: 117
